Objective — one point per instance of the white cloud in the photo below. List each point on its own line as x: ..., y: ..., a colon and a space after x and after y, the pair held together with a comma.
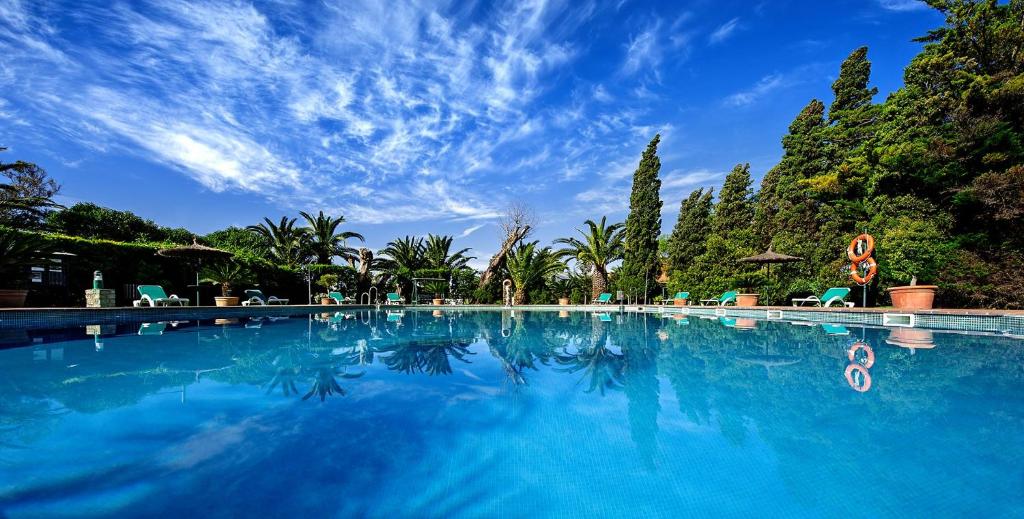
x: 470, y: 230
x: 643, y: 52
x: 724, y: 31
x: 902, y: 5
x: 763, y: 87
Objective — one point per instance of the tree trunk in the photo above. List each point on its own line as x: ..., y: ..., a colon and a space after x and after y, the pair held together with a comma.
x: 599, y: 283
x: 519, y: 296
x: 498, y: 259
x: 363, y: 278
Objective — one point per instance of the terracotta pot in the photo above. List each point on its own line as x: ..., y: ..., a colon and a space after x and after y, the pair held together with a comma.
x: 746, y: 299
x: 679, y: 302
x: 563, y: 314
x: 437, y: 313
x: 563, y: 301
x: 917, y: 297
x: 913, y: 338
x: 746, y: 323
x: 226, y: 301
x: 437, y: 301
x: 326, y: 301
x: 12, y: 298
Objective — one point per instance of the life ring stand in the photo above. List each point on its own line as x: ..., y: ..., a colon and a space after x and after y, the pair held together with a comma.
x: 864, y: 384
x: 868, y: 361
x: 869, y: 248
x: 872, y: 269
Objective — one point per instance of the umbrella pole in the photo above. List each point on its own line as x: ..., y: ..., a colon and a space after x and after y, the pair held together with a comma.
x: 197, y: 288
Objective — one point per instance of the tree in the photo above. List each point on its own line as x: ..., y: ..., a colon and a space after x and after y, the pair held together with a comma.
x: 239, y: 241
x: 438, y: 255
x: 640, y: 264
x: 28, y: 197
x: 516, y: 226
x: 326, y: 241
x: 735, y: 209
x: 402, y: 258
x: 89, y: 220
x: 528, y: 265
x: 851, y: 87
x: 287, y: 243
x: 602, y: 244
x: 691, y: 231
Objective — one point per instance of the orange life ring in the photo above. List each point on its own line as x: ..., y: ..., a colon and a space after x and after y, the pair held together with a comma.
x: 851, y: 251
x: 865, y: 383
x: 866, y: 278
x: 852, y: 354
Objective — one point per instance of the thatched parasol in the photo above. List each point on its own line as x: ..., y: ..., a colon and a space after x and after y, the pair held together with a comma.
x: 768, y: 257
x: 195, y: 254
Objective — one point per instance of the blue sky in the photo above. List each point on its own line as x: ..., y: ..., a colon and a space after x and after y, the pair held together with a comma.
x: 416, y: 117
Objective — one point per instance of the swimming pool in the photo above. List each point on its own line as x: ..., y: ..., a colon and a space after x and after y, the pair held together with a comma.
x: 512, y: 414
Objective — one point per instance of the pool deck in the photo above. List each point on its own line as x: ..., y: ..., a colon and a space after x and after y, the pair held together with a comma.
x: 1003, y: 322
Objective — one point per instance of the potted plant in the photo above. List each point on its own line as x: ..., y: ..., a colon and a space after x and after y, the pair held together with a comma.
x: 910, y: 251
x: 18, y: 252
x: 228, y: 275
x: 562, y: 287
x: 330, y: 283
x: 748, y: 283
x: 437, y: 288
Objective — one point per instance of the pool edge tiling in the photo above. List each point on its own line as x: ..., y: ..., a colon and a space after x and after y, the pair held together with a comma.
x: 1006, y: 323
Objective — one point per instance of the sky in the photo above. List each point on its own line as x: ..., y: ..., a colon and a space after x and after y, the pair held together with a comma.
x: 409, y: 117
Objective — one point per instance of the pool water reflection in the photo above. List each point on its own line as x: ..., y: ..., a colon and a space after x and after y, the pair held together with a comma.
x: 494, y: 413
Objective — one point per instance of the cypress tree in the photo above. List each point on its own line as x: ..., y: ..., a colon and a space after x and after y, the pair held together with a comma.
x: 851, y: 87
x: 640, y: 265
x: 691, y: 230
x: 735, y: 209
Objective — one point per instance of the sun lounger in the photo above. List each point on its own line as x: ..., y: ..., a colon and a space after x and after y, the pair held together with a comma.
x: 834, y: 295
x: 154, y: 295
x: 724, y: 299
x: 256, y: 297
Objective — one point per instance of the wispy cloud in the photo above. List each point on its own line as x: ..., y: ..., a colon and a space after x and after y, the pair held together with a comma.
x: 724, y: 31
x: 902, y: 5
x: 470, y: 230
x: 763, y: 87
x: 643, y: 51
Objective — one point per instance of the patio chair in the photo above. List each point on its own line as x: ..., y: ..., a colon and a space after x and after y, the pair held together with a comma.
x: 834, y: 329
x: 831, y: 296
x: 603, y: 299
x: 394, y: 299
x: 256, y: 297
x: 339, y: 298
x: 152, y: 328
x: 679, y: 295
x: 154, y: 295
x: 724, y: 299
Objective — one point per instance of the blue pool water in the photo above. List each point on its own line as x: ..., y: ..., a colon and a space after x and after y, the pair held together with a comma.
x: 489, y: 413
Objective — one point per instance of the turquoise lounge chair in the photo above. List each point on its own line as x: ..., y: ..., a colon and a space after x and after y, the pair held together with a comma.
x: 679, y: 295
x: 835, y: 329
x: 394, y: 299
x: 831, y: 296
x: 256, y: 297
x: 154, y: 295
x: 606, y: 318
x: 603, y: 299
x: 339, y: 298
x: 724, y: 299
x: 152, y: 328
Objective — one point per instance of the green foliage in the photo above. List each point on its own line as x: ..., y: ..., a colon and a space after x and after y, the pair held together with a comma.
x: 227, y: 274
x: 912, y: 248
x: 27, y: 196
x: 640, y: 264
x: 529, y: 267
x: 240, y: 241
x: 288, y: 244
x: 325, y: 241
x: 735, y: 209
x: 328, y: 281
x: 602, y: 244
x: 691, y: 231
x: 89, y: 220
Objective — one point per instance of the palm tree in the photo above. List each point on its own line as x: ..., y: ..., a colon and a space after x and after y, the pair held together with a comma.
x: 438, y: 255
x: 527, y: 265
x: 601, y: 245
x: 326, y: 241
x: 403, y: 257
x: 288, y: 243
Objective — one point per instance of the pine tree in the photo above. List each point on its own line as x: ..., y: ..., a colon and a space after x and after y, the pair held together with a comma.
x: 640, y: 265
x: 691, y: 230
x: 735, y: 209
